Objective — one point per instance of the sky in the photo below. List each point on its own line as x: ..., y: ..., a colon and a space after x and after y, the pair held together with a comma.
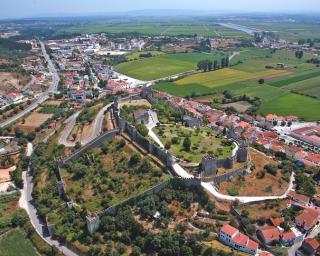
x: 34, y: 8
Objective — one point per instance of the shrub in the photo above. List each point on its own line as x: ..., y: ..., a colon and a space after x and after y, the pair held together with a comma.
x: 272, y: 169
x: 232, y: 191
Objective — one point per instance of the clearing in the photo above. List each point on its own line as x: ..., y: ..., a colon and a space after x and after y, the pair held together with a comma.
x: 33, y: 121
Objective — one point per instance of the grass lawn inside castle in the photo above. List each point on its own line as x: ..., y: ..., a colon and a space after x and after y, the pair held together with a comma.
x: 203, y: 142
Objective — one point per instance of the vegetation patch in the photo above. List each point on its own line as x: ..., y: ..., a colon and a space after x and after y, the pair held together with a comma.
x: 191, y: 145
x: 105, y: 176
x: 15, y: 243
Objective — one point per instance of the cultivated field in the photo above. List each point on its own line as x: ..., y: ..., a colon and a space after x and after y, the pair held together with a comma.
x: 164, y: 65
x: 224, y: 76
x: 286, y: 29
x: 310, y: 87
x: 277, y: 93
x: 161, y: 27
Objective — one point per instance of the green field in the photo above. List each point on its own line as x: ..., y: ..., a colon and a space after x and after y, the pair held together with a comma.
x: 167, y: 27
x: 224, y: 76
x: 277, y: 94
x: 287, y: 30
x: 15, y: 243
x: 164, y: 65
x: 255, y: 60
x: 294, y: 79
x: 310, y: 87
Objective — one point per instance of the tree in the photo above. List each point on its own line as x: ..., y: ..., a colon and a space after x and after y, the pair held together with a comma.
x: 223, y: 62
x: 142, y: 129
x: 261, y: 81
x: 215, y: 65
x: 251, y: 229
x: 135, y: 159
x: 299, y: 54
x: 19, y: 218
x: 187, y: 144
x: 227, y: 61
x: 272, y: 169
x: 168, y: 144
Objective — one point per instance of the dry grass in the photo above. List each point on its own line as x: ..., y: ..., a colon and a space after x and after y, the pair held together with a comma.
x: 33, y: 121
x: 264, y: 209
x: 240, y: 106
x: 215, y: 244
x: 5, y: 173
x: 53, y: 103
x: 141, y: 102
x: 251, y: 185
x: 10, y: 82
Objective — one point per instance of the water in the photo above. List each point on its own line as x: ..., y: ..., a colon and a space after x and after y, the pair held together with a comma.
x: 244, y: 29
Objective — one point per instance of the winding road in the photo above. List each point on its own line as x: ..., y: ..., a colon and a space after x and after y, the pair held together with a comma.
x: 96, y: 129
x: 70, y: 123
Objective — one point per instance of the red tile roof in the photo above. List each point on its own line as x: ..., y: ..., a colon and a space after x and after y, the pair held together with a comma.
x: 312, y: 242
x: 229, y: 230
x: 309, y: 218
x: 277, y: 221
x: 270, y: 233
x: 298, y: 197
x: 288, y: 235
x: 252, y: 245
x: 240, y: 239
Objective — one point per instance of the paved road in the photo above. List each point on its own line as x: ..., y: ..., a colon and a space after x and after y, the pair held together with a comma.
x: 71, y: 121
x: 96, y: 129
x: 55, y: 77
x: 42, y: 97
x: 97, y: 125
x: 293, y: 249
x: 25, y: 202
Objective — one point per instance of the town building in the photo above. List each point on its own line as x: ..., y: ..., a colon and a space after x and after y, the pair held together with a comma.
x: 310, y: 135
x: 307, y: 219
x: 141, y: 116
x: 234, y: 238
x: 269, y: 235
x: 310, y: 246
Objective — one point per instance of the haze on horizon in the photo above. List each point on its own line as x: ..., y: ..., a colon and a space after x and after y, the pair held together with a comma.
x: 36, y: 8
